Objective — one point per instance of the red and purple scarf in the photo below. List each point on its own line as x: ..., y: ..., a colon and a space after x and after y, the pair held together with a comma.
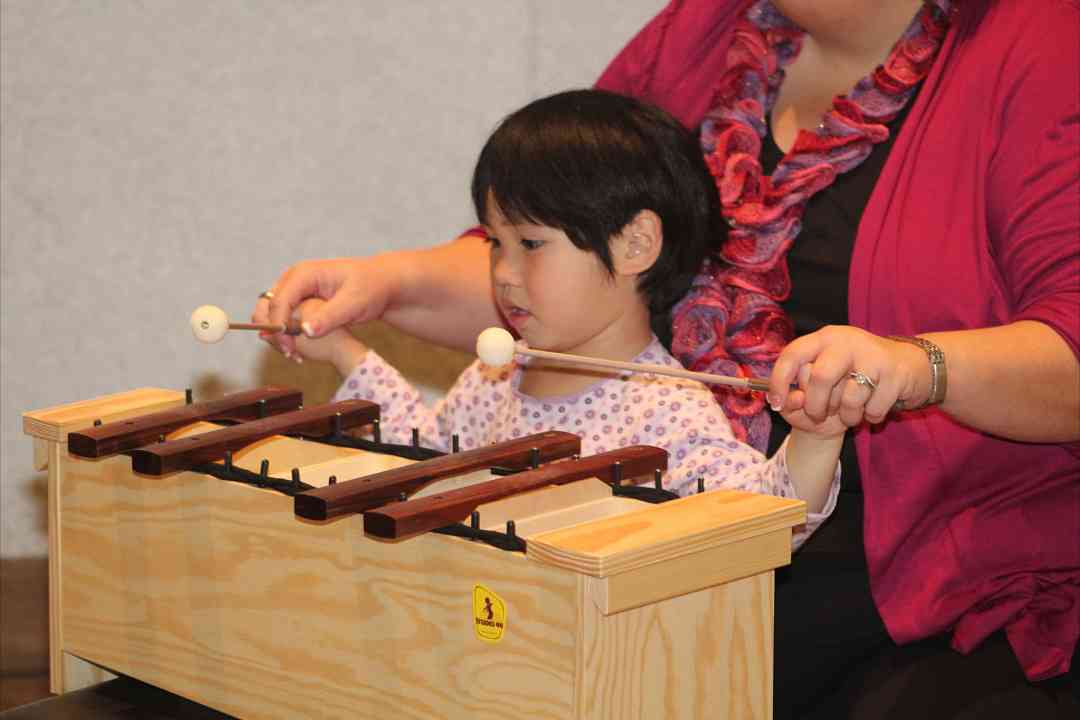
x: 731, y: 321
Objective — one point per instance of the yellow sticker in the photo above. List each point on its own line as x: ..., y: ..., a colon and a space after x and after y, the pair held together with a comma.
x: 489, y: 614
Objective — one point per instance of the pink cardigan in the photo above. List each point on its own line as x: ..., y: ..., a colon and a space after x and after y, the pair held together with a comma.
x: 974, y: 222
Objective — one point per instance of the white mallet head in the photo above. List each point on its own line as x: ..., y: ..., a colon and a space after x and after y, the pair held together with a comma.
x: 209, y: 323
x: 495, y: 347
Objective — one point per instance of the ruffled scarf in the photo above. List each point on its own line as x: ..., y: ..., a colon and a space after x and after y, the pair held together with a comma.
x: 731, y: 322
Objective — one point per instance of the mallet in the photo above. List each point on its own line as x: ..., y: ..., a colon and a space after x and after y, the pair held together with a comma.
x: 210, y: 323
x: 495, y: 346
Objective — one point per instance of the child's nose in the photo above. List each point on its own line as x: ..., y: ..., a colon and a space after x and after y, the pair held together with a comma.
x: 504, y: 270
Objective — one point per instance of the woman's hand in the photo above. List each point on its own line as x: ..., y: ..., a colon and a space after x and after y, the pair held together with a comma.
x: 355, y: 290
x: 1019, y: 381
x: 440, y: 294
x: 846, y: 376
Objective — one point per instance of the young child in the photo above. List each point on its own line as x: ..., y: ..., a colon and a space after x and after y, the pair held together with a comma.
x: 599, y: 210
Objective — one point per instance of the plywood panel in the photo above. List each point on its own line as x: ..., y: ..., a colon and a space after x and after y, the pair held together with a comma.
x: 651, y: 535
x: 702, y: 655
x: 215, y: 591
x: 689, y: 573
x: 49, y: 428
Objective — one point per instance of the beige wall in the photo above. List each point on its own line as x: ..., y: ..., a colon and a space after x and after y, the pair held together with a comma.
x: 160, y: 155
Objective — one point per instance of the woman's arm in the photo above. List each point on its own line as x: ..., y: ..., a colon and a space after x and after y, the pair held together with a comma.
x: 440, y: 294
x: 1019, y: 381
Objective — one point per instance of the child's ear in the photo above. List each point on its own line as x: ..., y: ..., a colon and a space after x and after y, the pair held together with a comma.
x: 638, y: 244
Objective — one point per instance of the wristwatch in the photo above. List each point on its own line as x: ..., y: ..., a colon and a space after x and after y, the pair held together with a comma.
x: 939, y: 378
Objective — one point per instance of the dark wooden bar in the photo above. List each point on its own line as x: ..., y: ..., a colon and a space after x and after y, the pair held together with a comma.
x: 124, y: 435
x: 412, y: 517
x: 174, y: 455
x: 372, y: 491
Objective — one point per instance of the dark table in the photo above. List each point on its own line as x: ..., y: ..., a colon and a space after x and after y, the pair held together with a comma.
x: 119, y: 699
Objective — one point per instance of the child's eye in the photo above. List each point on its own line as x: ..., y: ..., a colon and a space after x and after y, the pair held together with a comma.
x: 492, y: 240
x: 531, y: 244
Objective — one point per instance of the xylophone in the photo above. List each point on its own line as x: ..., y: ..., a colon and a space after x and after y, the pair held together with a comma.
x: 262, y: 558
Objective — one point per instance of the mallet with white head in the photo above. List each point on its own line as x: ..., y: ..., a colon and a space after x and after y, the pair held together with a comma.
x: 496, y: 347
x: 210, y: 323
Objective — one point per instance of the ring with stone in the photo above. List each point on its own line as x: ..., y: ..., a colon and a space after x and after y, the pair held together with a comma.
x: 268, y: 294
x: 862, y: 379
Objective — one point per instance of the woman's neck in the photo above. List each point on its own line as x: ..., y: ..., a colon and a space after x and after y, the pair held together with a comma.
x: 853, y: 33
x: 845, y: 40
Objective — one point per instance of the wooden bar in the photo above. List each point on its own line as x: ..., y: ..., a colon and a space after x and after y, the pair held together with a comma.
x: 184, y: 453
x: 406, y: 519
x: 116, y: 437
x: 358, y: 495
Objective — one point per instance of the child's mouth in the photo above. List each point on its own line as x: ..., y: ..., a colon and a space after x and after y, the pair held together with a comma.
x: 515, y: 315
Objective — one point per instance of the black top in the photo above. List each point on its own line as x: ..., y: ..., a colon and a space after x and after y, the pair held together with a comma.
x: 820, y: 258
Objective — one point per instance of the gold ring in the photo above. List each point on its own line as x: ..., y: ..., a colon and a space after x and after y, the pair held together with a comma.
x: 862, y: 379
x: 268, y: 294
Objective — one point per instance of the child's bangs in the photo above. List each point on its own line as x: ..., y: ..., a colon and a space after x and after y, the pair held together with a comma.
x: 528, y: 187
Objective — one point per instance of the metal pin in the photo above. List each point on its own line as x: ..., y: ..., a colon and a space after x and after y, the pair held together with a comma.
x: 161, y: 438
x: 402, y: 497
x: 228, y: 461
x: 337, y: 424
x: 416, y: 437
x: 97, y: 422
x: 534, y: 458
x: 511, y: 530
x: 656, y: 479
x: 701, y: 484
x: 455, y: 443
x: 260, y: 408
x: 296, y: 478
x: 264, y: 470
x: 616, y: 473
x: 474, y: 523
x: 332, y: 480
x: 376, y: 431
x: 188, y: 396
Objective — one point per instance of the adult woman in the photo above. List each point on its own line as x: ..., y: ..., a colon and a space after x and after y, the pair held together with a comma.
x: 960, y: 224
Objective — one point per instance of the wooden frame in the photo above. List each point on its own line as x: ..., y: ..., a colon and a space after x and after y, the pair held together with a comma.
x: 215, y: 591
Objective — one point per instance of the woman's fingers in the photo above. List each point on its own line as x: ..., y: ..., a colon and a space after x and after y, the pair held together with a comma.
x: 823, y: 384
x: 842, y: 371
x: 276, y: 307
x: 854, y: 396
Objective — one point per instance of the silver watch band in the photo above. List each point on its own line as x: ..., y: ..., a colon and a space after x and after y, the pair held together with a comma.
x: 939, y: 377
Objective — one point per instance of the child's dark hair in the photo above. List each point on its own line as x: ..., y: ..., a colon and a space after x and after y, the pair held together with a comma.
x: 586, y: 162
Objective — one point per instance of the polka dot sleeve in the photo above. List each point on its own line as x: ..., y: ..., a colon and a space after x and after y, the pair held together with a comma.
x: 461, y: 412
x: 400, y: 406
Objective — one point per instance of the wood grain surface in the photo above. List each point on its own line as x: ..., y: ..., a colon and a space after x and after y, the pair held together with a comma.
x: 655, y: 535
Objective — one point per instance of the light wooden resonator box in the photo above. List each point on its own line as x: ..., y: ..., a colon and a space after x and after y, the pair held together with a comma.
x: 216, y: 591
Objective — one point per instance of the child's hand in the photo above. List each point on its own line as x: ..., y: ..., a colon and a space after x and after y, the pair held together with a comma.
x: 795, y: 415
x: 338, y: 346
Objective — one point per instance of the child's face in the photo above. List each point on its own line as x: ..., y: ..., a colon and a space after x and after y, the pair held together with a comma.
x: 555, y: 295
